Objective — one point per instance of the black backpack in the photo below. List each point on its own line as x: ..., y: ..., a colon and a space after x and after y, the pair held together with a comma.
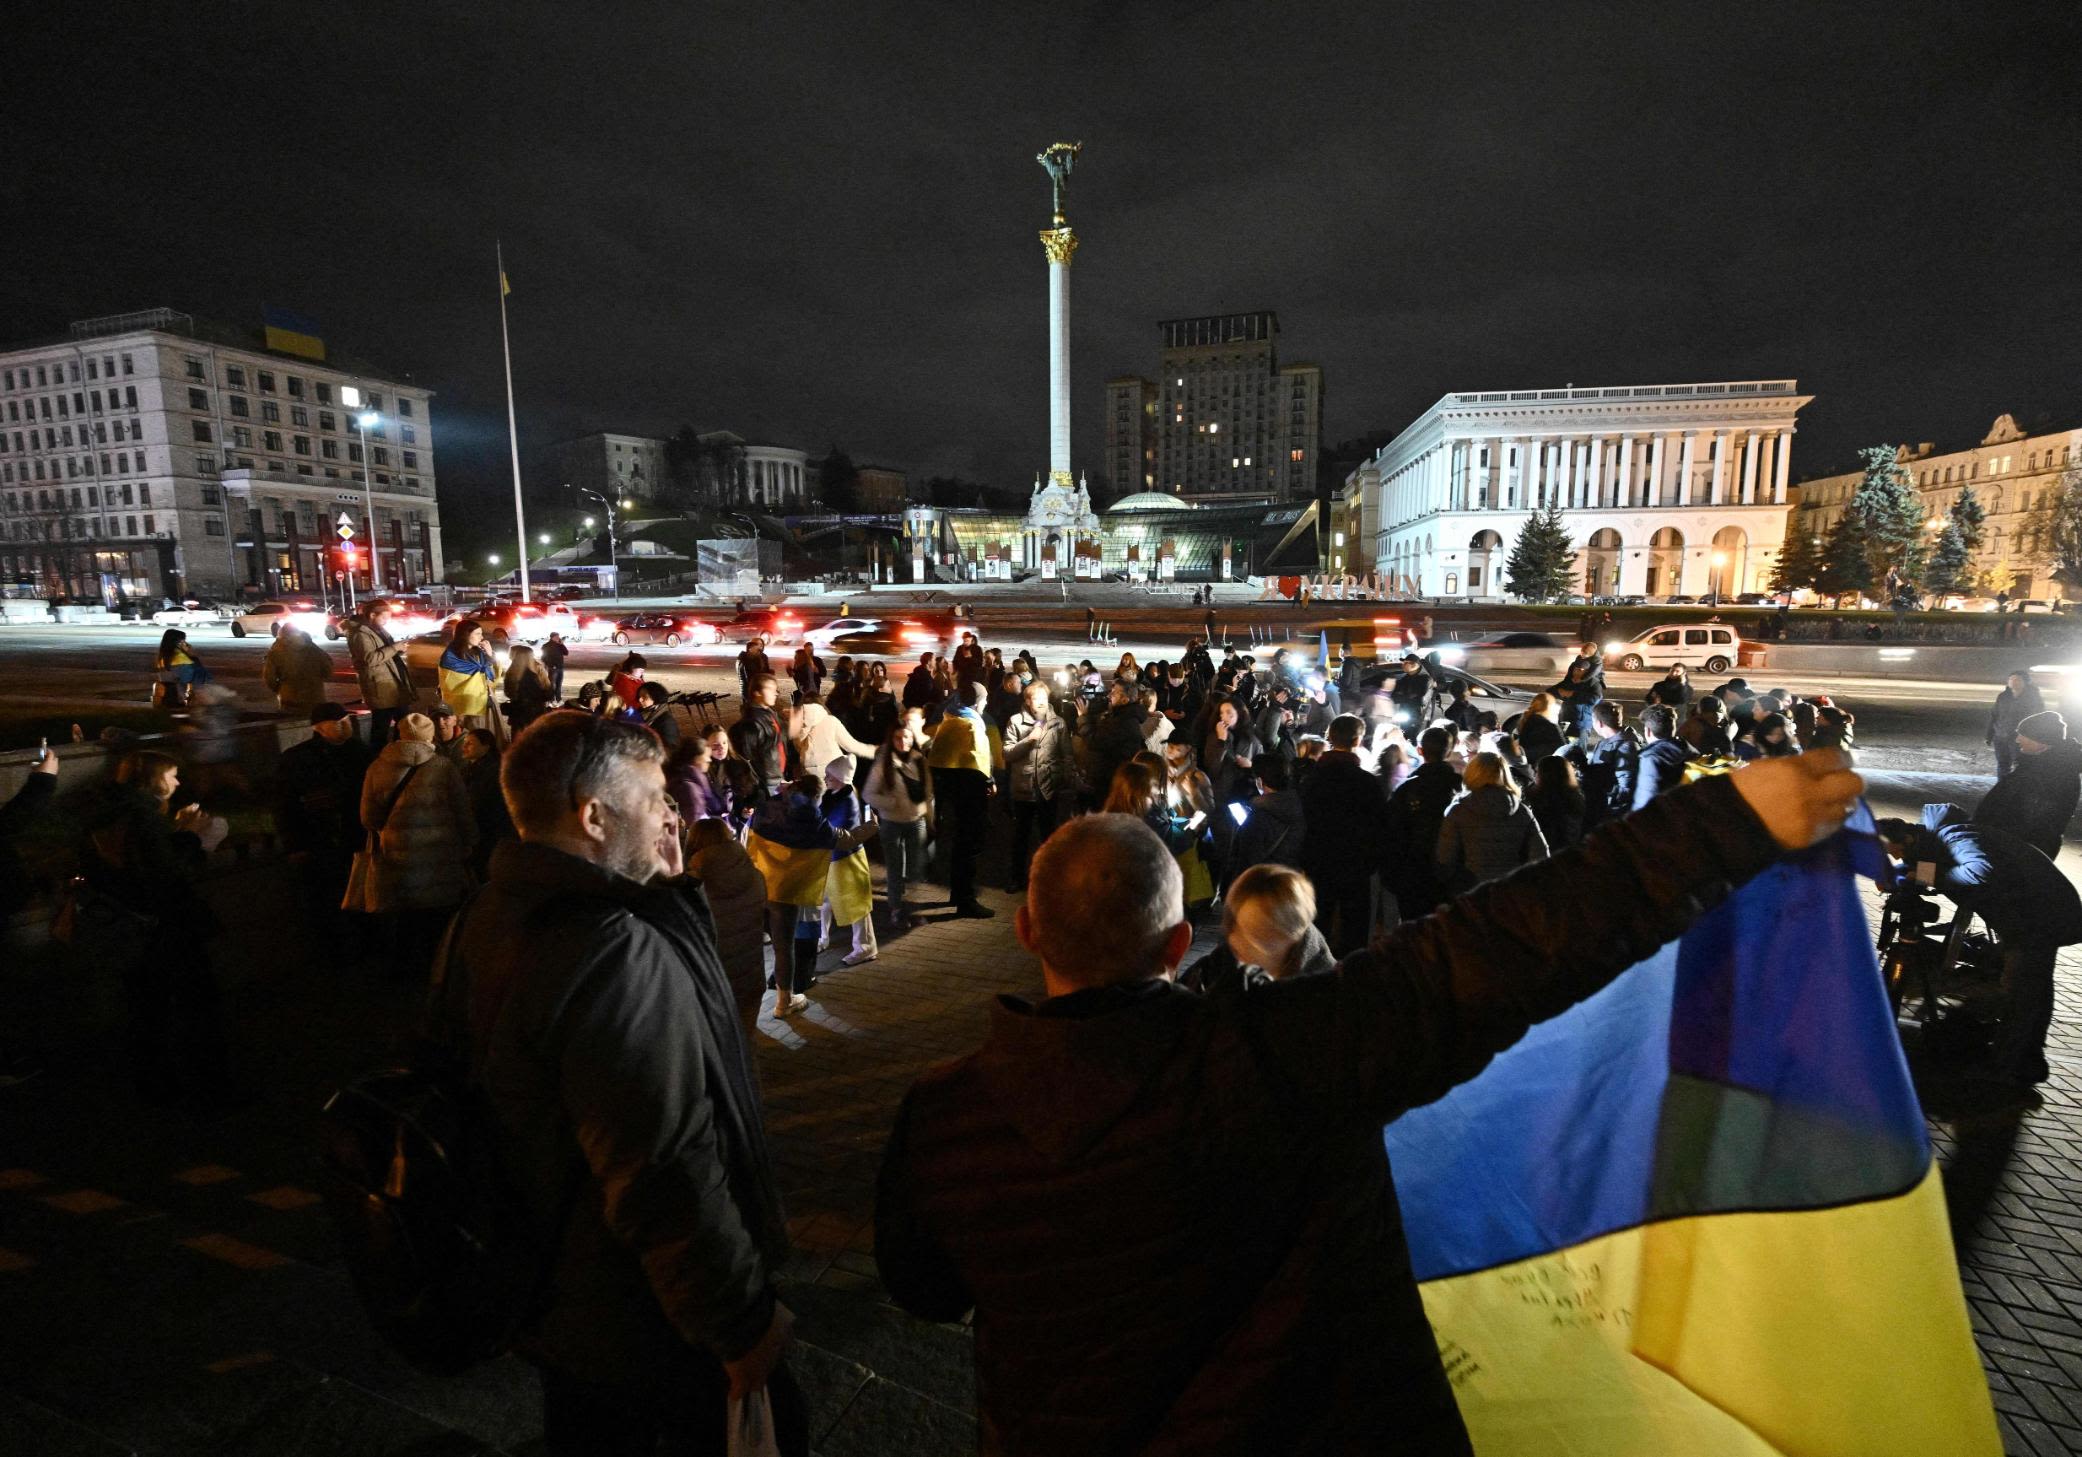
x: 444, y: 1259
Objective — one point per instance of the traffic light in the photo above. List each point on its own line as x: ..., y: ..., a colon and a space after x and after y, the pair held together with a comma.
x: 347, y: 558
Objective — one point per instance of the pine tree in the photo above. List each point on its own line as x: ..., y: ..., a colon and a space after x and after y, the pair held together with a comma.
x: 1946, y: 571
x: 1846, y: 558
x: 1541, y: 565
x: 1967, y: 514
x: 1889, y: 514
x: 2056, y: 523
x: 1799, y: 559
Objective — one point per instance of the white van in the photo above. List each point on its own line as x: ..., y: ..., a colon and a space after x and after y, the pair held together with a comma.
x: 1709, y: 645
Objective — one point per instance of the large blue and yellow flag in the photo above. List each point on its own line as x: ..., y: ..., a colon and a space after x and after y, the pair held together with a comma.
x: 292, y: 333
x: 1698, y: 1214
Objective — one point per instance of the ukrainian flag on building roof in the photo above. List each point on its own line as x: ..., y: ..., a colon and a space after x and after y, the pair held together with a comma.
x: 292, y: 333
x: 1698, y: 1215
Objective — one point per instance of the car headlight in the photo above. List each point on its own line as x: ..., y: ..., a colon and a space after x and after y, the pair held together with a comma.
x: 1613, y: 647
x: 502, y: 661
x: 1451, y: 655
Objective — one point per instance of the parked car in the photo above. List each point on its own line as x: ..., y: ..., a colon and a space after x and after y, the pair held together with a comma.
x: 668, y: 628
x: 407, y: 617
x: 1506, y: 703
x: 529, y: 622
x: 1511, y: 652
x: 1709, y: 645
x: 267, y: 618
x: 1754, y: 599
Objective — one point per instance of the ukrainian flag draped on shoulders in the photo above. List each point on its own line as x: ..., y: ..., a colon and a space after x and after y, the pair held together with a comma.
x: 1698, y: 1215
x: 466, y: 682
x: 790, y: 842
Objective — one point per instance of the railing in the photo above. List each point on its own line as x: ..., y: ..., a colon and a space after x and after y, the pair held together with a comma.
x: 108, y: 324
x: 1631, y: 392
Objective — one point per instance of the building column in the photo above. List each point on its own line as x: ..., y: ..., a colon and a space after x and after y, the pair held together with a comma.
x: 1654, y: 483
x: 1687, y: 459
x: 1624, y: 493
x: 1749, y: 468
x: 1782, y: 458
x: 1715, y: 494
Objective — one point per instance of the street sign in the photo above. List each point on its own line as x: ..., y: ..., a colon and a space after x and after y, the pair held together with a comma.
x: 346, y: 527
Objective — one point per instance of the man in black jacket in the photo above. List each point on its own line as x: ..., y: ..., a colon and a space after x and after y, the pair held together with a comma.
x: 2028, y: 903
x: 759, y: 736
x: 1415, y: 811
x: 1609, y: 765
x: 1411, y: 693
x: 318, y: 813
x: 1660, y: 764
x: 2037, y: 798
x: 1116, y: 738
x: 1344, y: 825
x: 1173, y: 1215
x: 585, y: 988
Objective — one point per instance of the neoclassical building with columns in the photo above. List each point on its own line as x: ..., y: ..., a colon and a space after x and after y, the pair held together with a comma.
x: 1665, y: 489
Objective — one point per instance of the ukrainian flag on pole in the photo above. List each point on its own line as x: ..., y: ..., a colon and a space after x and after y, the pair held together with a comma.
x: 1698, y: 1216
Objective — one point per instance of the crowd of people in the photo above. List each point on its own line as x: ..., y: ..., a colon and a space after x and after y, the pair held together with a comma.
x: 618, y: 891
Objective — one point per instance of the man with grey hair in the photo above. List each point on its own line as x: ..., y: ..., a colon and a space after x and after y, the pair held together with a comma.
x: 1173, y: 1215
x: 584, y: 990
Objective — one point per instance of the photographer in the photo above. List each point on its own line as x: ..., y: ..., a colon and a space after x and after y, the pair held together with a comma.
x: 2024, y: 900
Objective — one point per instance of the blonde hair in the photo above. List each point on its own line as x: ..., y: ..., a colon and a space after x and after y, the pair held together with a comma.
x: 524, y: 664
x: 1271, y: 905
x: 1485, y: 769
x: 1543, y: 704
x: 1133, y: 791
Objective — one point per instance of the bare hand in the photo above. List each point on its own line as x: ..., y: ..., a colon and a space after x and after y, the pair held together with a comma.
x: 79, y: 735
x: 48, y: 764
x: 749, y: 1372
x: 1802, y: 799
x: 671, y: 858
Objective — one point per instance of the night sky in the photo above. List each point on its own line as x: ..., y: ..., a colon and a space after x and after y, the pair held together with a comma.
x: 814, y: 224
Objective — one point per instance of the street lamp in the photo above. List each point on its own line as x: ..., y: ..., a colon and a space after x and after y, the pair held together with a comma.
x: 614, y: 560
x: 1720, y: 568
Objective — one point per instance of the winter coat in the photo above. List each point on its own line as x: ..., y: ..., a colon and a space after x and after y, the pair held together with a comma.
x: 1660, y: 768
x: 2001, y: 879
x: 379, y: 665
x: 1609, y: 768
x: 427, y: 835
x: 527, y: 699
x: 596, y: 1015
x: 2037, y: 799
x: 1219, y: 973
x: 1708, y: 740
x: 1577, y: 698
x: 871, y: 718
x: 1344, y: 822
x: 1116, y: 738
x: 757, y: 737
x: 695, y: 793
x: 1271, y: 834
x: 1672, y: 693
x: 736, y: 894
x: 1537, y: 738
x: 1415, y: 812
x: 1266, y: 1303
x: 2012, y: 709
x: 1037, y: 756
x: 1218, y: 761
x: 1560, y: 815
x: 920, y: 691
x: 318, y: 798
x: 1487, y: 834
x: 295, y: 670
x: 820, y: 738
x: 886, y: 791
x: 487, y: 809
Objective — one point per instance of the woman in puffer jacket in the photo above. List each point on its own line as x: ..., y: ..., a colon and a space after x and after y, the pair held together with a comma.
x: 1488, y: 832
x: 417, y: 810
x: 820, y: 737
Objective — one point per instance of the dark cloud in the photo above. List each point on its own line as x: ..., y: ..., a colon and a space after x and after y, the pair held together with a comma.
x: 816, y: 223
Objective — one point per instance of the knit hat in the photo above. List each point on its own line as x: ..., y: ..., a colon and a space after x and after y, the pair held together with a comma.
x: 327, y: 712
x: 2043, y: 728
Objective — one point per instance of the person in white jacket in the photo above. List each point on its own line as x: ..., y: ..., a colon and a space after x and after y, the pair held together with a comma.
x: 820, y: 737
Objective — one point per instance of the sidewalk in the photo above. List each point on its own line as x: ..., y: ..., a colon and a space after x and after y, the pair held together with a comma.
x: 170, y: 1286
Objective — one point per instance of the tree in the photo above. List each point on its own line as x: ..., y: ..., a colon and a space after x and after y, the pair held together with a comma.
x: 683, y: 485
x: 838, y: 480
x: 1968, y: 515
x: 1799, y: 560
x: 2055, y: 524
x: 1946, y: 570
x: 1541, y: 566
x: 1890, y: 518
x: 1846, y: 558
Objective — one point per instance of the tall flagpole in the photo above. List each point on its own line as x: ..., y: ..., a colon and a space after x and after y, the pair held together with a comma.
x: 520, y: 523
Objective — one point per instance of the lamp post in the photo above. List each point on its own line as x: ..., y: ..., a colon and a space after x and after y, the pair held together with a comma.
x: 614, y: 560
x: 364, y: 422
x: 1720, y: 570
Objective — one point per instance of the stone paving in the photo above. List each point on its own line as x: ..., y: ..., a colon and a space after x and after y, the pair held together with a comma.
x: 169, y: 1285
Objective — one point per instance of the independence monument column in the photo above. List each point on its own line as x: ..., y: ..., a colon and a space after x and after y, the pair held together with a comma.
x: 1060, y: 244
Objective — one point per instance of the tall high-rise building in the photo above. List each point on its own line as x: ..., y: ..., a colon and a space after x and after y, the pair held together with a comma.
x: 1230, y: 422
x: 151, y: 454
x: 1131, y: 434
